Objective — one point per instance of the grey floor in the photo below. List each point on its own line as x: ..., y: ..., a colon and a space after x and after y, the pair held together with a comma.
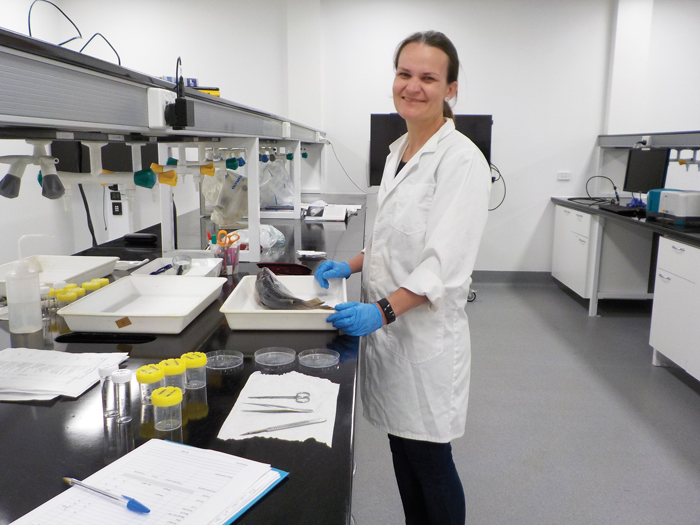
x: 568, y: 421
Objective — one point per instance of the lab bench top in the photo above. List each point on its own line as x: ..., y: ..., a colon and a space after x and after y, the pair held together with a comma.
x: 41, y: 442
x: 689, y: 235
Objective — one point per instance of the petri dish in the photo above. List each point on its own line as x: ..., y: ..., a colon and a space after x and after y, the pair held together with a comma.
x: 319, y: 358
x: 224, y: 361
x: 275, y: 356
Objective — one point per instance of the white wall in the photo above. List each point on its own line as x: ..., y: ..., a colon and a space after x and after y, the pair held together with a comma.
x: 655, y: 77
x: 538, y: 67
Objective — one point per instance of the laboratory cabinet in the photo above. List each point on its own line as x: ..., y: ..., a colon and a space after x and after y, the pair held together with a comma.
x: 675, y: 330
x: 572, y: 254
x: 599, y: 256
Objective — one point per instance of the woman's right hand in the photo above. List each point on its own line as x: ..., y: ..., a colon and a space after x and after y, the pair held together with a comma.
x: 331, y: 270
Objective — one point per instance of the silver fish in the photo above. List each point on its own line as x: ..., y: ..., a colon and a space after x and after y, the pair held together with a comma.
x: 273, y: 294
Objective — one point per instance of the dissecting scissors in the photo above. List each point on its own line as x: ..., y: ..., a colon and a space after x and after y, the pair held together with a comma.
x: 227, y: 239
x: 277, y: 408
x: 301, y: 397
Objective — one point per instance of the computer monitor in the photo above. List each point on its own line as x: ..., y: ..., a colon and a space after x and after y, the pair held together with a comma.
x: 646, y: 169
x: 386, y: 128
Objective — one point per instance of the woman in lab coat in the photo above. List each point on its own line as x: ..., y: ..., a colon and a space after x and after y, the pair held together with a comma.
x: 416, y: 272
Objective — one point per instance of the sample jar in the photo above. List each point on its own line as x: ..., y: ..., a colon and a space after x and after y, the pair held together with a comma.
x: 78, y: 291
x: 109, y: 393
x: 90, y: 287
x: 150, y: 378
x: 174, y: 372
x: 167, y: 411
x: 102, y: 281
x: 122, y: 384
x: 196, y: 365
x: 64, y: 299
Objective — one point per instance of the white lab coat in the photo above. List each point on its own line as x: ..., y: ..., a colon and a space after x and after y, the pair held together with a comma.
x: 429, y: 223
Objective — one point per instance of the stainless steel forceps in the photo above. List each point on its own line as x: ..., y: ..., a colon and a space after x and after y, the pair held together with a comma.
x: 277, y: 409
x: 301, y: 397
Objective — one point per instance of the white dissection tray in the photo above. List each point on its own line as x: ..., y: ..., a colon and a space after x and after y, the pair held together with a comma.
x: 200, y: 267
x: 69, y: 268
x: 243, y: 310
x: 144, y: 304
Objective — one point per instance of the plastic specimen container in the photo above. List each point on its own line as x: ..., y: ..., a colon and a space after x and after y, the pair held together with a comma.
x: 167, y: 408
x: 196, y: 369
x: 174, y: 369
x: 150, y: 378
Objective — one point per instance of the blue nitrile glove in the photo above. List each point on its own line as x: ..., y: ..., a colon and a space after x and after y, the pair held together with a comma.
x: 331, y: 270
x: 356, y: 318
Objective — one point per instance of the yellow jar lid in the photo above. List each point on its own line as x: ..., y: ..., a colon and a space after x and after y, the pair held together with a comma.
x: 68, y: 286
x: 173, y: 367
x: 80, y: 292
x: 90, y: 286
x: 166, y: 396
x: 101, y: 281
x: 194, y: 359
x: 150, y: 374
x: 53, y: 292
x: 66, y: 297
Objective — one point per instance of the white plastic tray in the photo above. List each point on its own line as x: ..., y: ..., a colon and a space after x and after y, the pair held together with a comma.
x: 152, y: 304
x: 71, y: 269
x: 200, y: 267
x: 243, y: 311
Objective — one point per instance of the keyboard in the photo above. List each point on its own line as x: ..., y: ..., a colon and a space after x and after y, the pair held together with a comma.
x: 621, y: 209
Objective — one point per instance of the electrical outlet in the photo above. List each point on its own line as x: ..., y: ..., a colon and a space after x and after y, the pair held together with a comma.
x: 116, y: 208
x: 563, y: 175
x: 115, y: 195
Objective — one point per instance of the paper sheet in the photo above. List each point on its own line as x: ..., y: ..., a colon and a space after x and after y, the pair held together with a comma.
x: 26, y: 371
x: 323, y: 402
x: 178, y: 483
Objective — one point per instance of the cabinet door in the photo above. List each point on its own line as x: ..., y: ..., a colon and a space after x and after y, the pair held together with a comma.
x: 577, y: 261
x: 672, y: 317
x: 570, y: 249
x: 562, y: 218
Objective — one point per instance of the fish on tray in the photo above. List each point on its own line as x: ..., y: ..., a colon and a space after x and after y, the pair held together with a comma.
x: 276, y: 296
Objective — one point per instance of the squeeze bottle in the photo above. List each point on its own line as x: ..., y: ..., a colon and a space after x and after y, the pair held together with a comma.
x: 24, y: 299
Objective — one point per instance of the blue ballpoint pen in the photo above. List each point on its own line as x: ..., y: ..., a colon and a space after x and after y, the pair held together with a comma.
x: 162, y: 269
x: 129, y: 503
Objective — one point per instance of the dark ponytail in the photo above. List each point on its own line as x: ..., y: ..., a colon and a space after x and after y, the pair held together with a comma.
x: 440, y: 41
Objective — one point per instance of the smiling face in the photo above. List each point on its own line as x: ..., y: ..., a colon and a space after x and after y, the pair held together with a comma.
x: 420, y: 84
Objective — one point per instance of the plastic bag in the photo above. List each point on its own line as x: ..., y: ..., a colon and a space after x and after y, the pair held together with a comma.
x: 269, y: 236
x: 228, y: 195
x: 276, y: 186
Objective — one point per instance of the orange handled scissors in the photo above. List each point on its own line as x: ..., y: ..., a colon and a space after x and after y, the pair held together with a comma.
x: 227, y: 239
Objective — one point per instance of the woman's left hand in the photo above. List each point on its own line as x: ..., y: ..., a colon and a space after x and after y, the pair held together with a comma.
x: 357, y: 318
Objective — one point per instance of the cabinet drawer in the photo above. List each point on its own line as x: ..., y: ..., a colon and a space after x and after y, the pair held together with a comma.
x: 573, y: 220
x: 680, y: 259
x: 581, y: 223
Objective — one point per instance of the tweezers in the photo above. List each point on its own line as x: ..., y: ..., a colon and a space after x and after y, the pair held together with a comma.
x: 277, y: 408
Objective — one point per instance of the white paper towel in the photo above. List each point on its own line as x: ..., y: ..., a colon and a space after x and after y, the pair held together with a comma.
x: 324, y: 397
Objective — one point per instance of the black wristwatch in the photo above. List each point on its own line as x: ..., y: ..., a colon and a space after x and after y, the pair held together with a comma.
x: 388, y: 310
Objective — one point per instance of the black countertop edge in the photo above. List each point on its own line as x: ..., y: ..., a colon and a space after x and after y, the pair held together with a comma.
x: 667, y: 230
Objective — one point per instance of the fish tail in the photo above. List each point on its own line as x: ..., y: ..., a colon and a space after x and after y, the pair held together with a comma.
x: 315, y: 303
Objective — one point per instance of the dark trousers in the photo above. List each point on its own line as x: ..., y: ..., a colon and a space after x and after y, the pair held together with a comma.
x: 430, y: 488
